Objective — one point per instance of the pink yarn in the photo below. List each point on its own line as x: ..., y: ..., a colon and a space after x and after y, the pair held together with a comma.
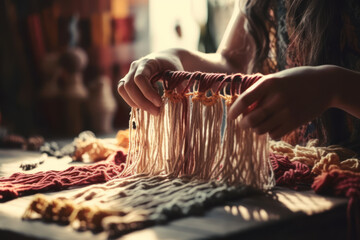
x: 295, y: 175
x: 21, y: 184
x: 343, y: 183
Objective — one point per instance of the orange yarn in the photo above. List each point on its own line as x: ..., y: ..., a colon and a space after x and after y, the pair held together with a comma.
x: 207, y: 101
x: 122, y: 139
x: 173, y: 96
x: 230, y: 99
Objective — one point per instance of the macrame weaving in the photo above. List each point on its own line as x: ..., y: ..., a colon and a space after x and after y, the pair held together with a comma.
x: 180, y: 161
x: 124, y: 205
x: 21, y: 184
x: 185, y: 138
x: 94, y: 207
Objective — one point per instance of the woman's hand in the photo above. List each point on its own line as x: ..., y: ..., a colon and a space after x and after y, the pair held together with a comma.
x: 287, y: 99
x: 136, y: 89
x: 233, y: 55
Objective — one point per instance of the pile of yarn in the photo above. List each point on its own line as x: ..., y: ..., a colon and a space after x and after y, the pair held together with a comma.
x: 331, y: 170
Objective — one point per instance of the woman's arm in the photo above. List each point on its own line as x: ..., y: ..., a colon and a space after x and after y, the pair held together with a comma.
x: 233, y: 55
x: 290, y: 98
x: 347, y: 84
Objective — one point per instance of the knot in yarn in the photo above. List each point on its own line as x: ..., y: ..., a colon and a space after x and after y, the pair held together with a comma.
x: 207, y: 101
x: 173, y: 96
x: 230, y: 99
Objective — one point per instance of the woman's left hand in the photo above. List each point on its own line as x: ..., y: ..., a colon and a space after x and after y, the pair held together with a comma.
x: 287, y: 99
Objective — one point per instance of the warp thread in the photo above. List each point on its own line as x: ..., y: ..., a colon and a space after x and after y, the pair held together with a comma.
x: 185, y: 138
x: 21, y: 184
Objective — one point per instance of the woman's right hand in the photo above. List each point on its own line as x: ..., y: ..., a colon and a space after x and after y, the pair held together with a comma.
x: 136, y: 88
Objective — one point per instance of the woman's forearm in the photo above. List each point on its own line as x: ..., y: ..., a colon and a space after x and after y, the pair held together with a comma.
x: 347, y: 86
x: 233, y: 55
x: 205, y: 62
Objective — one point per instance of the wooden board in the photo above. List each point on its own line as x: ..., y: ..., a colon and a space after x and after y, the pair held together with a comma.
x: 282, y: 214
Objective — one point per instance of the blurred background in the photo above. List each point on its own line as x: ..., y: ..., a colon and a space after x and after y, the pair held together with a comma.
x: 60, y: 60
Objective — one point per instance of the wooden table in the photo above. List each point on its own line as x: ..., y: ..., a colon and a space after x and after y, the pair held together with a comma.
x: 283, y: 214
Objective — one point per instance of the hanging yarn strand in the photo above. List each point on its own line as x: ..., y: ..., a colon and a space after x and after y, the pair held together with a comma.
x: 175, y: 121
x: 185, y: 138
x: 205, y: 123
x: 146, y: 140
x: 245, y: 155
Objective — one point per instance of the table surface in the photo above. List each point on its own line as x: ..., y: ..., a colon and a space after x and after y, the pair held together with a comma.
x: 282, y: 214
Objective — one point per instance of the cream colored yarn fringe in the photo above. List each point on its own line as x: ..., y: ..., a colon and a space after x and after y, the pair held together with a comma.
x: 185, y: 140
x: 245, y: 156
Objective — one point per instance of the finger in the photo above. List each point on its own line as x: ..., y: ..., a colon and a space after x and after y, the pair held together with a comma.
x: 272, y: 123
x: 255, y: 93
x: 124, y: 95
x: 264, y: 110
x: 142, y: 79
x: 126, y: 78
x: 138, y: 98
